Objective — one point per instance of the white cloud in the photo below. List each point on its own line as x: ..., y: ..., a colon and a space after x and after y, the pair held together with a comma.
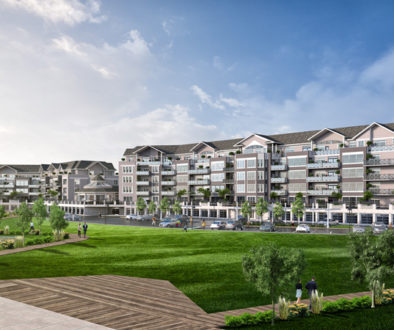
x: 218, y: 64
x: 67, y: 11
x: 136, y: 45
x: 231, y: 102
x: 68, y: 45
x: 206, y: 98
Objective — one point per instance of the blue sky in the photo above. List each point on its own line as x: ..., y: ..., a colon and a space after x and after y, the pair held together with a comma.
x: 86, y: 79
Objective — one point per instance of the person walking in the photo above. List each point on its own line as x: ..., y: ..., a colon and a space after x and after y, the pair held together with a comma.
x: 311, y: 286
x: 153, y: 221
x: 79, y: 230
x: 85, y: 229
x: 185, y: 227
x: 203, y: 224
x: 298, y: 291
x: 32, y: 226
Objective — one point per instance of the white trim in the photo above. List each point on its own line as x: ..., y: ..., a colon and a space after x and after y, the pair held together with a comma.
x: 368, y: 127
x: 202, y: 142
x: 321, y: 131
x: 144, y: 147
x: 239, y: 144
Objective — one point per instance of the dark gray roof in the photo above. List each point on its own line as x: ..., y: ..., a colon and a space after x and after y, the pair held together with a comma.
x: 287, y: 138
x: 30, y: 168
x: 82, y: 164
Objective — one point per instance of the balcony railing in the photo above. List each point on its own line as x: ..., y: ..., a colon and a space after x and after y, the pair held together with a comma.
x: 168, y: 183
x: 142, y: 193
x: 198, y: 182
x: 142, y: 172
x: 142, y: 183
x: 10, y: 185
x: 382, y: 148
x: 328, y: 178
x: 34, y: 185
x: 228, y: 169
x: 380, y: 177
x: 199, y: 171
x: 327, y: 152
x: 279, y: 192
x: 281, y: 167
x: 168, y: 193
x: 379, y: 162
x: 382, y: 191
x: 323, y: 165
x: 168, y: 173
x: 149, y: 162
x: 278, y: 180
x: 323, y: 192
x: 228, y: 181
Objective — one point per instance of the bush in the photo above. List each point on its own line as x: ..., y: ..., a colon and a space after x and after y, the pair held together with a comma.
x: 298, y: 310
x: 19, y: 242
x: 8, y: 244
x: 345, y: 304
x: 283, y: 308
x: 263, y: 317
x: 362, y: 302
x: 247, y: 319
x: 317, y: 302
x: 233, y: 321
x: 66, y: 236
x: 1, y: 232
x: 48, y: 239
x: 330, y: 307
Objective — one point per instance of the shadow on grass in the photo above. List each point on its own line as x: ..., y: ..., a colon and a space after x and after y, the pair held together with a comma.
x: 85, y: 245
x: 4, y: 264
x: 55, y: 251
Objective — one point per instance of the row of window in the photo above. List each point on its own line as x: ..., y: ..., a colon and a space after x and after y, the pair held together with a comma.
x: 249, y: 163
x: 250, y: 175
x: 250, y: 188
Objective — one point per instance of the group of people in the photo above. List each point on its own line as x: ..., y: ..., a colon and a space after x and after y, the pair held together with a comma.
x: 85, y: 229
x: 311, y: 286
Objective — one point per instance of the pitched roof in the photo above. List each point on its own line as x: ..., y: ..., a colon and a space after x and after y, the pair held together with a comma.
x: 29, y: 168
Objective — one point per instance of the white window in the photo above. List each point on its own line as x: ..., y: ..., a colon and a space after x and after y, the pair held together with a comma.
x: 127, y: 179
x: 353, y: 172
x: 296, y: 161
x: 379, y: 142
x: 297, y: 187
x: 251, y: 163
x: 218, y: 177
x: 127, y: 169
x: 260, y: 175
x: 181, y: 178
x: 352, y: 144
x: 182, y: 168
x: 217, y: 166
x: 240, y: 188
x: 216, y: 188
x: 299, y: 174
x: 155, y: 169
x: 240, y: 176
x: 155, y: 178
x: 155, y: 189
x: 240, y: 163
x: 306, y: 148
x: 289, y: 149
x: 352, y: 158
x: 353, y: 186
x: 251, y: 176
x: 251, y: 188
x: 260, y: 187
x: 260, y: 163
x: 360, y: 143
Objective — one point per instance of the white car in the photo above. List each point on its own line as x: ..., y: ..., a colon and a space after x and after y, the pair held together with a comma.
x: 379, y: 228
x: 230, y: 224
x: 358, y: 229
x: 131, y: 217
x: 303, y: 229
x: 218, y: 225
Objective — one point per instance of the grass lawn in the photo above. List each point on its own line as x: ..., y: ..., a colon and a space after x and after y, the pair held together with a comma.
x: 205, y: 265
x: 378, y: 318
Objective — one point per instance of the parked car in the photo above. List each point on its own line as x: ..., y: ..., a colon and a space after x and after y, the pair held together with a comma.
x: 147, y: 217
x: 358, y: 229
x: 267, y: 226
x: 167, y: 223
x: 131, y: 217
x: 379, y: 228
x: 303, y: 229
x: 68, y: 217
x: 218, y: 225
x: 77, y: 217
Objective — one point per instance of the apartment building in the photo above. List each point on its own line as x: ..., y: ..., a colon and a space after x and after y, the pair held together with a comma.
x: 326, y: 165
x: 29, y: 182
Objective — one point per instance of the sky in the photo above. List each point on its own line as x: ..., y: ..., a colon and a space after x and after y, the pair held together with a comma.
x: 85, y: 79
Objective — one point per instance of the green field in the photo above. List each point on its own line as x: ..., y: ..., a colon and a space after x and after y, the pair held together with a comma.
x: 205, y: 265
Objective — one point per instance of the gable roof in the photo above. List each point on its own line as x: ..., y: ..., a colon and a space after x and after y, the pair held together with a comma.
x: 208, y: 144
x: 265, y: 137
x: 323, y: 131
x: 370, y: 125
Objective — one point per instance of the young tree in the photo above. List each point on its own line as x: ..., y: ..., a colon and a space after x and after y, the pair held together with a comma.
x: 223, y: 193
x: 52, y: 193
x: 180, y: 193
x: 40, y: 212
x: 2, y: 212
x: 278, y: 211
x: 25, y: 215
x: 298, y: 206
x: 164, y: 205
x: 372, y: 258
x: 246, y: 210
x: 261, y: 207
x: 177, y: 208
x: 273, y: 195
x: 13, y: 194
x: 152, y: 207
x: 56, y: 219
x: 206, y: 192
x: 367, y: 195
x: 141, y: 205
x: 273, y: 270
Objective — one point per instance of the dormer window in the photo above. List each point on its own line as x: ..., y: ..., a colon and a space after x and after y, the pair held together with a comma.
x: 254, y: 149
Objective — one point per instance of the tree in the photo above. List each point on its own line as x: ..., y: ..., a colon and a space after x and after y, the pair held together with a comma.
x: 223, y: 193
x: 278, y: 211
x: 261, y: 207
x: 180, y: 193
x: 2, y: 212
x: 298, y: 206
x: 56, y: 219
x: 164, y: 205
x: 367, y: 195
x: 246, y: 210
x: 40, y: 211
x: 25, y: 215
x: 177, y: 208
x: 52, y: 193
x: 337, y: 195
x: 152, y: 207
x: 13, y: 194
x: 372, y: 258
x: 141, y: 205
x: 273, y: 195
x: 206, y: 192
x: 273, y: 270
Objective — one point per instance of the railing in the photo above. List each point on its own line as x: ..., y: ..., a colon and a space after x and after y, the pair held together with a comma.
x: 34, y: 185
x: 142, y: 193
x: 198, y: 182
x: 168, y: 183
x: 380, y: 177
x: 327, y: 152
x: 379, y: 162
x: 328, y: 178
x: 149, y: 162
x: 382, y: 191
x: 142, y: 183
x: 278, y: 180
x: 326, y: 192
x: 382, y: 148
x: 168, y: 193
x: 282, y: 167
x: 229, y: 181
x: 142, y: 172
x: 323, y: 165
x: 199, y: 171
x: 228, y: 169
x: 168, y: 173
x: 11, y: 185
x: 279, y: 192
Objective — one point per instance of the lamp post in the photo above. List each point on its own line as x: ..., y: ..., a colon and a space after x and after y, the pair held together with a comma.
x: 349, y: 212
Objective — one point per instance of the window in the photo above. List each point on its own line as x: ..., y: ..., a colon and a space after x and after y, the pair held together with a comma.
x: 251, y: 176
x: 182, y: 168
x: 289, y: 149
x: 181, y: 178
x: 301, y: 174
x: 127, y: 169
x: 127, y: 179
x: 332, y: 159
x: 352, y: 158
x: 260, y: 163
x: 251, y: 188
x: 360, y: 143
x: 379, y: 142
x: 251, y: 163
x: 155, y: 189
x: 155, y: 169
x: 296, y: 161
x: 240, y: 176
x: 240, y: 188
x: 353, y: 186
x: 260, y: 187
x: 216, y: 188
x: 155, y: 179
x: 306, y: 148
x: 217, y: 177
x: 127, y: 189
x: 217, y: 166
x: 297, y: 187
x: 254, y: 149
x: 354, y: 172
x: 240, y: 163
x: 260, y: 175
x: 352, y: 144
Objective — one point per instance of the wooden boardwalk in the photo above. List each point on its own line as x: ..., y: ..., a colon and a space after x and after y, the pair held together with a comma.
x: 121, y: 302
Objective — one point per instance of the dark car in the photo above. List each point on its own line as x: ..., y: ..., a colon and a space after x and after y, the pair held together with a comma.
x: 269, y: 227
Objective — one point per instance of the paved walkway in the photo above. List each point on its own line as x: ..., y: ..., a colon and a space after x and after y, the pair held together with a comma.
x: 73, y: 238
x: 121, y: 302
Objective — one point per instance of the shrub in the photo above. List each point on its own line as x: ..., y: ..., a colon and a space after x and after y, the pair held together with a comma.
x: 66, y: 236
x: 263, y: 317
x: 6, y: 230
x: 317, y: 302
x: 378, y: 293
x: 283, y: 308
x: 298, y: 310
x: 58, y: 235
x: 345, y: 304
x: 362, y: 302
x: 247, y: 319
x: 37, y: 232
x: 233, y: 321
x: 330, y: 307
x: 8, y: 244
x: 19, y: 241
x: 48, y: 239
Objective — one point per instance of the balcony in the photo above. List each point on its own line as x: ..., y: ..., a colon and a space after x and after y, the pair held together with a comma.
x: 34, y: 185
x: 149, y: 162
x: 323, y: 165
x: 380, y: 177
x: 142, y: 183
x: 379, y: 162
x: 228, y: 181
x: 142, y: 172
x: 228, y: 169
x: 168, y: 193
x: 198, y: 182
x: 382, y: 148
x: 34, y: 193
x: 328, y: 178
x: 142, y: 193
x: 281, y: 167
x: 327, y: 152
x: 199, y: 171
x: 279, y: 192
x: 323, y: 192
x: 168, y: 183
x: 168, y: 173
x: 278, y: 180
x: 10, y: 185
x: 384, y: 192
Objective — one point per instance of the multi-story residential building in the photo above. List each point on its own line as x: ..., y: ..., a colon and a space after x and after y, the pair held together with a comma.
x: 326, y: 165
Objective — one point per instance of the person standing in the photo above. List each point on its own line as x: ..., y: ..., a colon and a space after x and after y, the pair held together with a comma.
x: 298, y: 291
x: 85, y: 229
x: 32, y: 226
x: 311, y: 286
x: 185, y: 227
x: 203, y: 224
x: 79, y: 230
x: 153, y: 221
